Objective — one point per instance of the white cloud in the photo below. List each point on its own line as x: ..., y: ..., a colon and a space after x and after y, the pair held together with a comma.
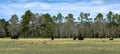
x: 22, y: 0
x: 44, y: 5
x: 54, y: 8
x: 116, y: 11
x: 30, y: 5
x: 97, y: 2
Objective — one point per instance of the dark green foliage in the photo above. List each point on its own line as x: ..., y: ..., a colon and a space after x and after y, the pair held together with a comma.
x: 47, y: 25
x: 3, y: 28
x: 99, y: 17
x: 25, y: 23
x: 59, y: 26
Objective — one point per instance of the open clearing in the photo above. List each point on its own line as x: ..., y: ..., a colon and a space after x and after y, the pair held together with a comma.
x: 59, y: 46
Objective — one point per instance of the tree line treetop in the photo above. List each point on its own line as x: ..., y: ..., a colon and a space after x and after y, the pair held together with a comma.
x: 45, y: 25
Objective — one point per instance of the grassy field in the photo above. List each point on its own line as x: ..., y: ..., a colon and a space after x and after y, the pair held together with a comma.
x: 59, y: 46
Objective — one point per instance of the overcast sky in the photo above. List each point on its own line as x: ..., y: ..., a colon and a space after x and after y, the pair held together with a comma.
x: 10, y: 7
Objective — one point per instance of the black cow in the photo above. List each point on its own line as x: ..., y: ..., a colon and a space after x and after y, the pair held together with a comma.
x: 52, y: 38
x: 15, y: 37
x: 74, y: 38
x: 80, y: 38
x: 111, y: 38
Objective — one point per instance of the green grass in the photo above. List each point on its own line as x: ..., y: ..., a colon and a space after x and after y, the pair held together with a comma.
x: 59, y: 46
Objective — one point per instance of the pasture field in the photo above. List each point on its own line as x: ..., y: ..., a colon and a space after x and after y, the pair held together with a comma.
x: 59, y: 46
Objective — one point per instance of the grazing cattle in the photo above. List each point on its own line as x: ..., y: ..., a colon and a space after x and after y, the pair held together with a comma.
x: 74, y: 38
x: 14, y: 37
x: 52, y: 38
x: 111, y: 38
x: 80, y: 38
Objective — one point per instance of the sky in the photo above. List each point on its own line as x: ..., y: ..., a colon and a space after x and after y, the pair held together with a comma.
x: 10, y: 7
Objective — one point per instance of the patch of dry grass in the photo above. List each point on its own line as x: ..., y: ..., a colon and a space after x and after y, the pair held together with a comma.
x: 59, y: 46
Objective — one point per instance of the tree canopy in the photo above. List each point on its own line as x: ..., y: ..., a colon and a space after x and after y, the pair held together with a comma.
x: 59, y: 26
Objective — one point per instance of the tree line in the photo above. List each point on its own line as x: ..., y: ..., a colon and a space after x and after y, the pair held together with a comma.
x: 44, y: 25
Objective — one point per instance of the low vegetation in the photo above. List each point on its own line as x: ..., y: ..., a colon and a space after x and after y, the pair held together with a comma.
x: 59, y: 46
